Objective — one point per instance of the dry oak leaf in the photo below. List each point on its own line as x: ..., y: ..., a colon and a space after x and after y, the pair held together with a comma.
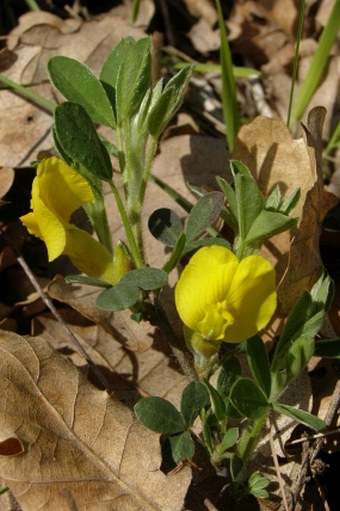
x: 274, y: 158
x: 77, y: 443
x: 82, y: 298
x: 25, y: 130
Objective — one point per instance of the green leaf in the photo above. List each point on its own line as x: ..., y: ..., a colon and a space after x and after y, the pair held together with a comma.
x: 250, y: 201
x: 122, y: 296
x: 168, y: 102
x: 290, y: 364
x: 327, y: 348
x: 78, y: 139
x: 249, y: 399
x: 182, y: 446
x: 231, y: 214
x: 147, y: 279
x: 300, y: 416
x: 126, y: 76
x: 176, y: 254
x: 134, y: 78
x: 273, y: 201
x: 229, y: 439
x: 166, y: 226
x: 229, y: 373
x: 78, y: 84
x: 195, y: 397
x: 237, y: 469
x: 259, y: 363
x: 290, y: 202
x: 267, y: 224
x: 127, y: 292
x: 306, y: 318
x: 257, y: 484
x: 323, y: 291
x: 218, y: 402
x: 205, y: 212
x: 159, y: 415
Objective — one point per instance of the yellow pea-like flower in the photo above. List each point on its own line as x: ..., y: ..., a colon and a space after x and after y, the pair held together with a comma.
x: 58, y: 190
x: 225, y: 299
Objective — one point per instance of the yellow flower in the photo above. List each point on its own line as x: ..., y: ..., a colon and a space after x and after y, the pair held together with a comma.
x: 58, y: 190
x: 224, y: 299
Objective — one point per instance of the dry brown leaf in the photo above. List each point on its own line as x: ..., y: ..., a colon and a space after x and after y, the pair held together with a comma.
x: 73, y: 438
x: 136, y: 337
x: 38, y: 37
x: 130, y: 374
x: 267, y: 148
x: 263, y: 32
x: 202, y: 9
x: 6, y: 180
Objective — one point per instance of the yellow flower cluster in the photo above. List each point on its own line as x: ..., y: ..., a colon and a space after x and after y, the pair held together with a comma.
x: 58, y: 190
x: 224, y: 299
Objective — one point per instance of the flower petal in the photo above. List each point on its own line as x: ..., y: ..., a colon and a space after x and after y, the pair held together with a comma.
x: 61, y: 188
x: 252, y: 298
x: 204, y: 281
x: 224, y: 299
x: 44, y: 224
x: 90, y: 256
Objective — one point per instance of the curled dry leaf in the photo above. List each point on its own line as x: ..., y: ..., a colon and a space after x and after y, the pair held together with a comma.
x: 76, y: 439
x: 266, y: 147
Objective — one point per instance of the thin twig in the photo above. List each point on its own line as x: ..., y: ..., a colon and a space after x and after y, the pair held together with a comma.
x: 299, y: 484
x: 276, y: 465
x: 333, y: 410
x: 311, y: 453
x: 48, y: 302
x: 313, y: 437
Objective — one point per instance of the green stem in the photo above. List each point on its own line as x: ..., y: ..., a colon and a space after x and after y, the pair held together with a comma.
x: 97, y: 213
x: 184, y: 203
x: 131, y: 166
x: 249, y: 439
x: 32, y: 5
x: 138, y: 260
x: 28, y: 94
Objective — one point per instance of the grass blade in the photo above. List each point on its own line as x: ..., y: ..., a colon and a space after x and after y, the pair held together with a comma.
x: 231, y: 113
x: 319, y: 61
x: 296, y: 58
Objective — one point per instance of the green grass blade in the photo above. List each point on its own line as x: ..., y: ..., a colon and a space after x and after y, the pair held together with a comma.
x: 334, y: 141
x: 135, y: 10
x: 231, y: 113
x: 319, y: 61
x: 28, y: 94
x: 296, y: 57
x: 238, y: 71
x: 32, y: 5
